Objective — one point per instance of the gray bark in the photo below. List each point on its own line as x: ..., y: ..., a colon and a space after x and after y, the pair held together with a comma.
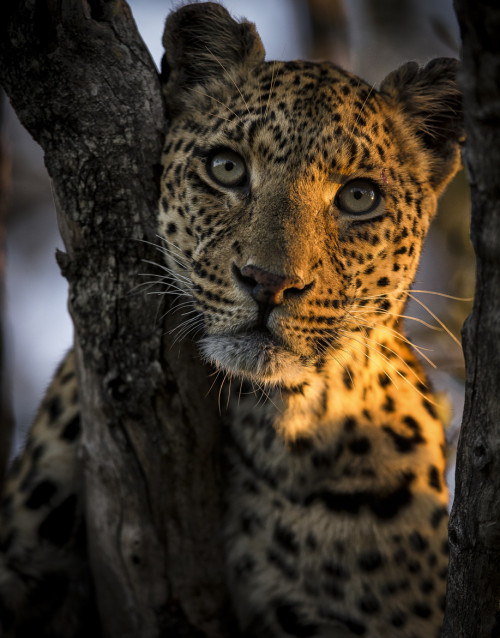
x: 84, y: 85
x: 474, y: 532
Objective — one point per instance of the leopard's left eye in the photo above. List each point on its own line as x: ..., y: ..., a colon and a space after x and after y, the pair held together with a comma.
x: 358, y: 197
x: 228, y: 168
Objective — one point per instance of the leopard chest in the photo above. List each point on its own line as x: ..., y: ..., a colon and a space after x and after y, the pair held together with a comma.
x: 333, y: 533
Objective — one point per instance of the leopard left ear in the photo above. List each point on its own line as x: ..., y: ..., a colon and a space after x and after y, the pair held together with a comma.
x: 203, y: 44
x: 431, y: 101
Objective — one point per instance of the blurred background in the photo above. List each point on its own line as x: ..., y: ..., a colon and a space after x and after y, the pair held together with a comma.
x: 368, y: 37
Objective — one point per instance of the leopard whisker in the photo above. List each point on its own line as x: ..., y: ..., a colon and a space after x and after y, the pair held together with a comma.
x: 376, y: 310
x: 273, y: 80
x: 434, y: 316
x: 229, y: 76
x: 218, y: 101
x: 401, y: 337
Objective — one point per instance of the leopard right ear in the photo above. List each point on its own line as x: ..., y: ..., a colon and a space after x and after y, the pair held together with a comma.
x: 430, y: 99
x: 203, y: 43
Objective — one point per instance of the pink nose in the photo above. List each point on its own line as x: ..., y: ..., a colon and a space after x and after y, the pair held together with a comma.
x: 267, y: 287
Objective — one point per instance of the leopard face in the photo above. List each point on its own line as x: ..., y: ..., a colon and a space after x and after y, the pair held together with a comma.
x: 295, y: 197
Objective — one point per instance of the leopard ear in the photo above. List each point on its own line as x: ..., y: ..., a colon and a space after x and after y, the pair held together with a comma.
x: 203, y: 43
x: 430, y: 99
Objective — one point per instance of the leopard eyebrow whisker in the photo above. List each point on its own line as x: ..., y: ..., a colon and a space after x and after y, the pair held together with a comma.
x: 229, y: 76
x: 219, y: 102
x: 273, y: 80
x: 351, y: 134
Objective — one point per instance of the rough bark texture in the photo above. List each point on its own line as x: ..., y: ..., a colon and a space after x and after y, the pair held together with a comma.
x: 84, y: 85
x: 474, y: 579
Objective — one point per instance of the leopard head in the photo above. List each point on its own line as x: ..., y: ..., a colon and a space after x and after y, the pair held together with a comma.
x: 295, y: 197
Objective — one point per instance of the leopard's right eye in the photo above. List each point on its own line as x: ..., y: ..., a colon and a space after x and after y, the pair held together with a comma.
x: 228, y: 168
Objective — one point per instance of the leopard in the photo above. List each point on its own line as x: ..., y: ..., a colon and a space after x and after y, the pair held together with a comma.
x: 295, y: 201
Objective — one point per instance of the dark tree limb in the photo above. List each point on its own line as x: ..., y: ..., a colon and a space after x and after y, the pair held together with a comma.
x: 84, y: 85
x: 474, y: 532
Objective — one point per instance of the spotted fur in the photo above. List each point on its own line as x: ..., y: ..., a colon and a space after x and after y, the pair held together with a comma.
x: 335, y: 521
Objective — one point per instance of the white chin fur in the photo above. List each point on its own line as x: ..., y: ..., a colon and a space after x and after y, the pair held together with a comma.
x: 253, y: 357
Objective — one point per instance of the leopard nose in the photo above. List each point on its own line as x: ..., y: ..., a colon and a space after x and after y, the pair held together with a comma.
x: 268, y: 288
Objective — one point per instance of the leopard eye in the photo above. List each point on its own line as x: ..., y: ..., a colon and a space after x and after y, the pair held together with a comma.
x: 358, y: 197
x: 228, y: 168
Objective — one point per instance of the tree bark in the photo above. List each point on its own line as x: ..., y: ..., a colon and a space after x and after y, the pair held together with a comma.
x: 84, y: 85
x: 474, y: 578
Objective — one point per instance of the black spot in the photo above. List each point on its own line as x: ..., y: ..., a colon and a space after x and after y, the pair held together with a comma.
x: 54, y: 408
x: 427, y: 585
x: 67, y: 377
x: 430, y: 408
x: 368, y: 604
x: 434, y: 478
x: 370, y: 560
x: 38, y: 450
x: 335, y: 569
x: 388, y: 405
x: 350, y: 424
x: 422, y: 610
x: 390, y: 505
x: 414, y: 567
x: 384, y: 506
x: 41, y: 494
x: 418, y: 542
x: 383, y: 380
x: 286, y: 538
x: 171, y: 228
x: 398, y: 619
x: 361, y: 445
x: 383, y: 281
x: 59, y: 523
x: 347, y: 378
x: 290, y: 619
x: 404, y: 443
x: 72, y: 429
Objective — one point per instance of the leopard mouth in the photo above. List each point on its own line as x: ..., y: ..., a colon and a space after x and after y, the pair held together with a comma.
x: 256, y: 355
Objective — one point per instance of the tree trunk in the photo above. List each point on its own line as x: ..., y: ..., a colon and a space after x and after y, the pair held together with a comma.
x: 84, y: 85
x: 474, y: 532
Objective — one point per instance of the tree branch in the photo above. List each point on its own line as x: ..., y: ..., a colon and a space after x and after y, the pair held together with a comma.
x: 84, y: 85
x: 474, y: 532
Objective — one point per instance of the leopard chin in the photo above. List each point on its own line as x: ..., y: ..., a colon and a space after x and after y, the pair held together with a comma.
x: 256, y: 357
